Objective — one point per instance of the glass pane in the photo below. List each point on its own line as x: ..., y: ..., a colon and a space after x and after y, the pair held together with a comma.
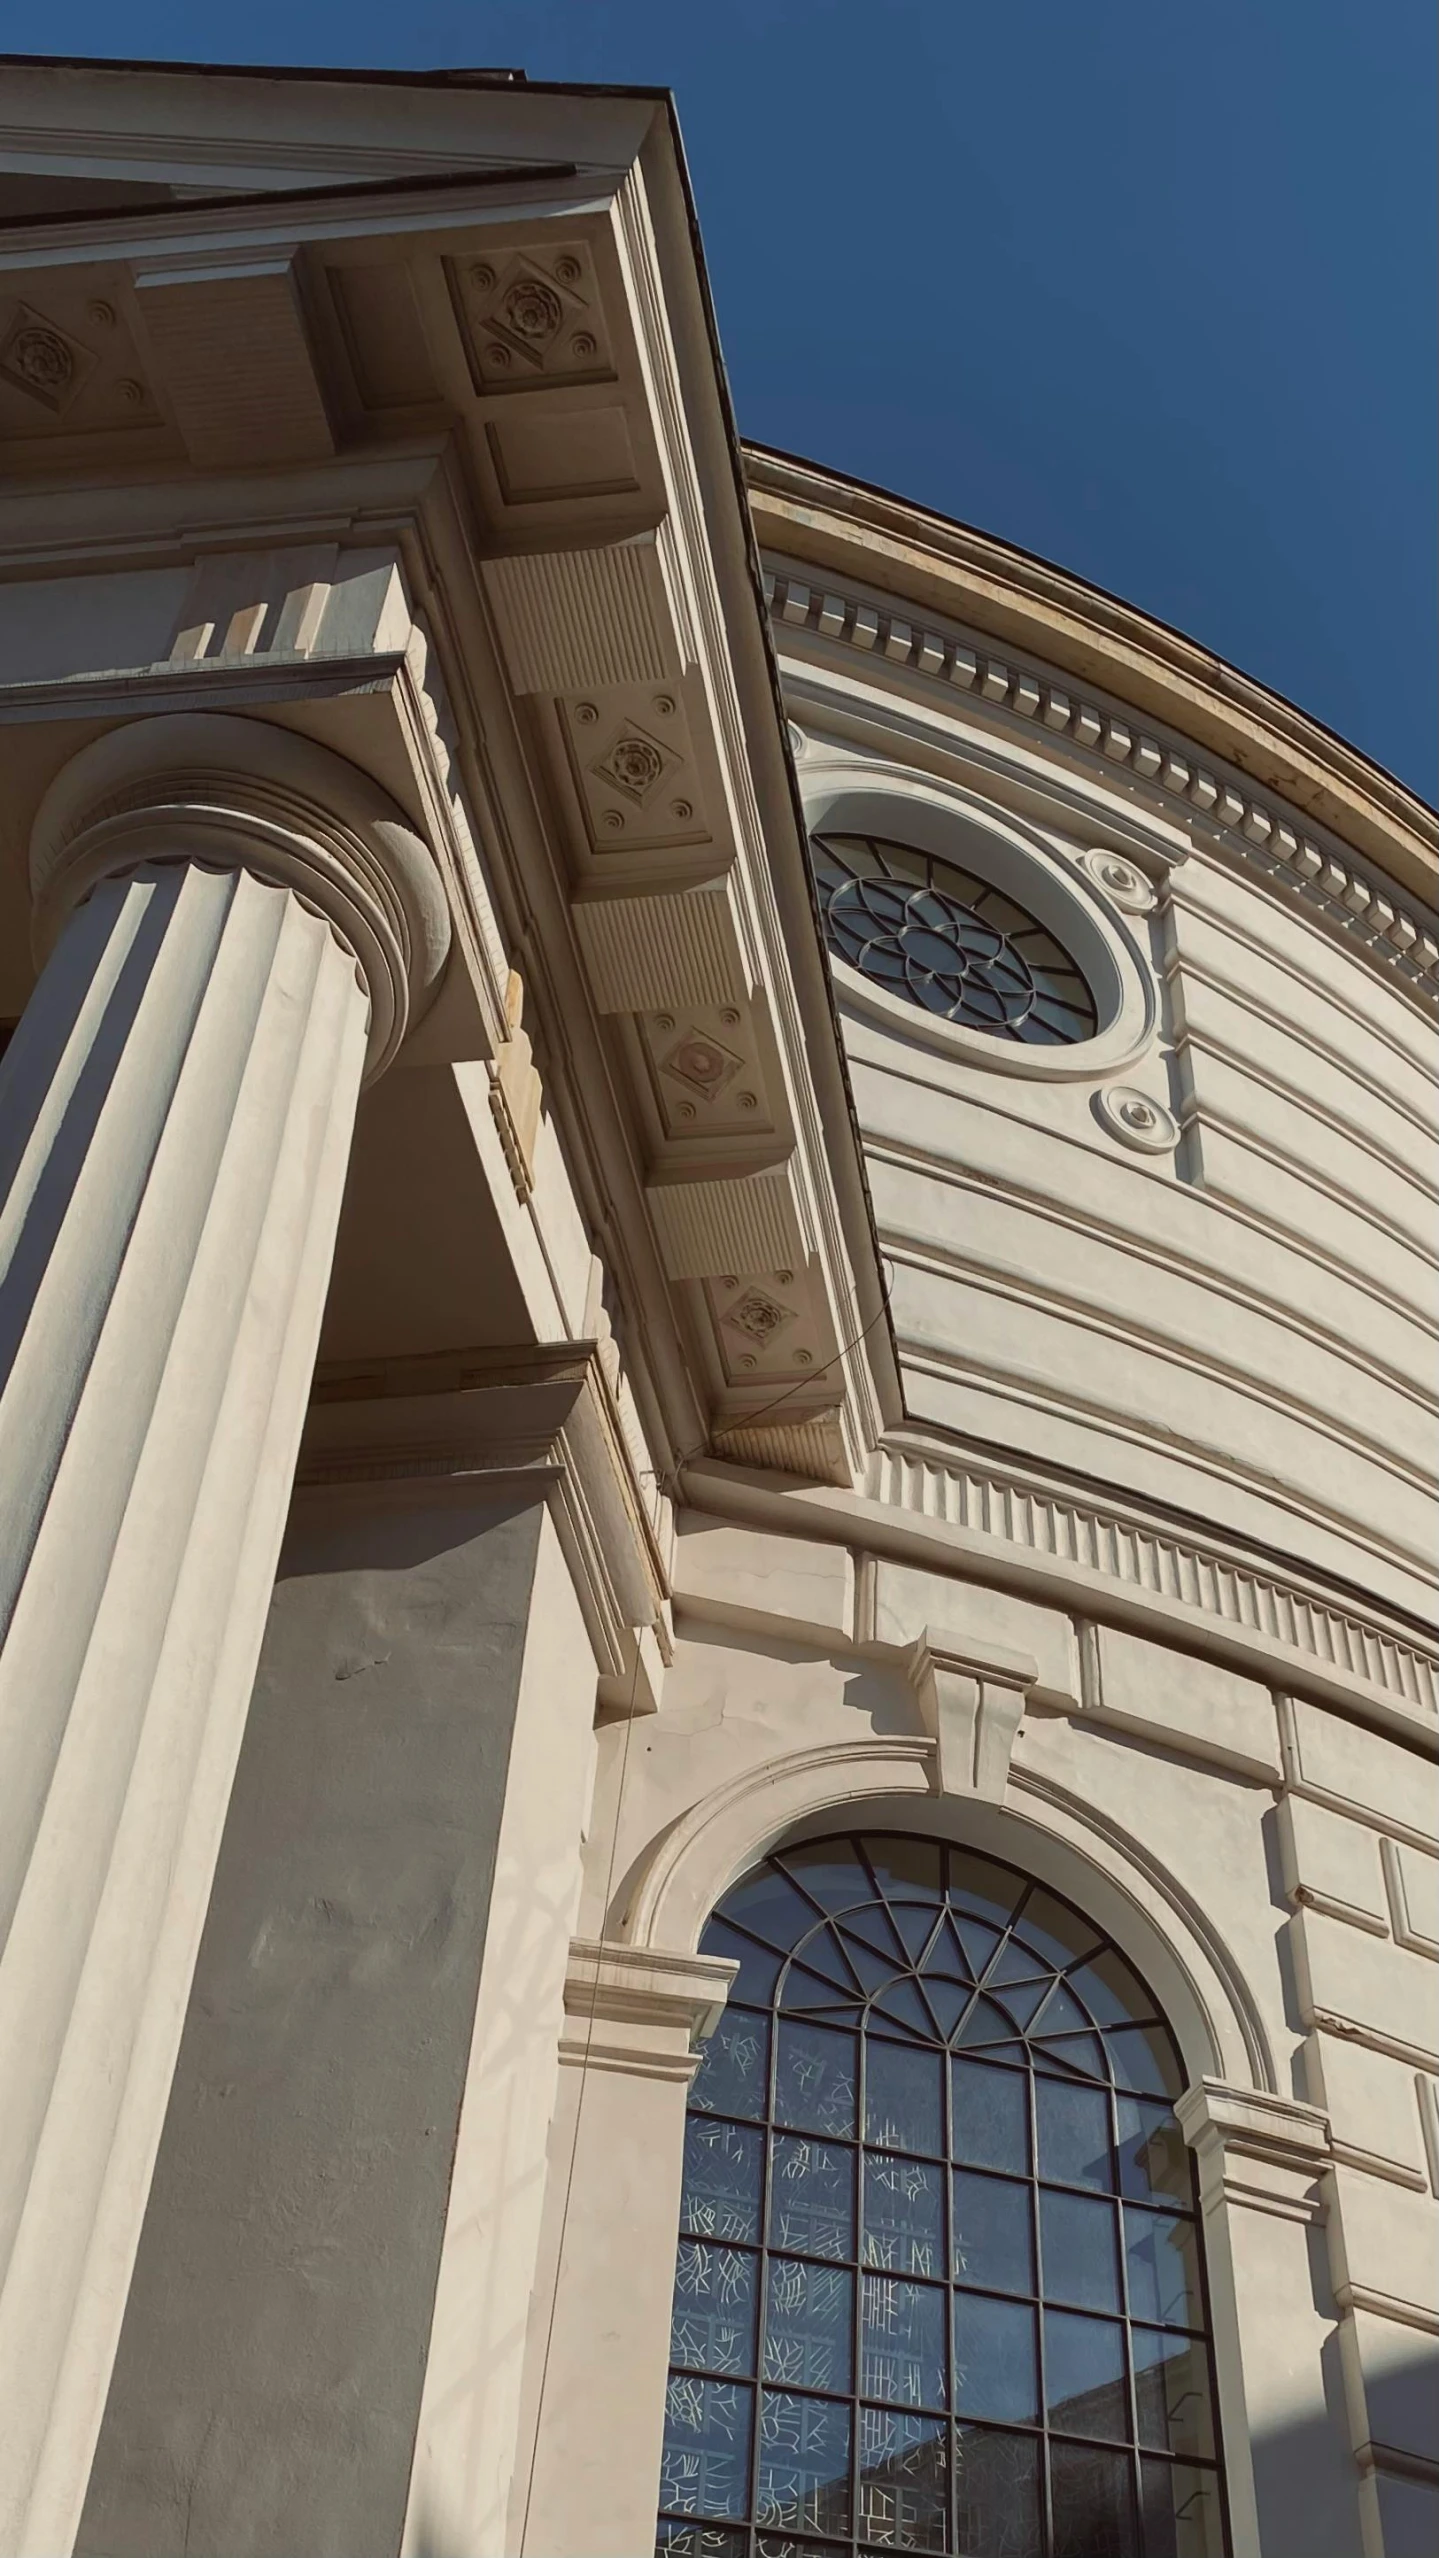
x: 830, y: 1871
x: 994, y: 2363
x: 758, y: 1975
x: 1048, y: 1927
x: 1182, y: 2516
x: 903, y: 2097
x: 1084, y: 2375
x: 906, y: 1869
x: 722, y: 2179
x: 804, y: 2463
x: 981, y: 1889
x: 1073, y: 2134
x: 1066, y: 2052
x: 1142, y: 2058
x: 771, y: 1907
x: 732, y: 2077
x: 1162, y: 2252
x: 999, y: 2501
x: 903, y: 2215
x: 811, y: 2197
x: 903, y: 2480
x: 902, y: 2342
x: 949, y: 2001
x: 782, y: 2544
x: 1110, y: 1991
x: 715, y: 2307
x: 705, y: 2466
x: 901, y: 2003
x: 821, y: 1961
x: 699, y: 2540
x: 991, y: 2117
x: 814, y: 2078
x: 993, y: 2241
x: 1093, y: 2502
x: 1171, y: 2389
x: 946, y: 1957
x: 809, y: 2325
x: 1153, y: 2158
x: 1077, y: 2246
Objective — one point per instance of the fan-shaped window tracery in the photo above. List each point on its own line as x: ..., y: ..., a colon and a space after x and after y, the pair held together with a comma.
x: 939, y: 2284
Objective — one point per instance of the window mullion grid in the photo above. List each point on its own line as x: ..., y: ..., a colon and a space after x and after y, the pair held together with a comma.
x: 763, y: 2328
x: 1046, y: 2491
x: 861, y: 2101
x: 1121, y: 2240
x: 947, y: 2236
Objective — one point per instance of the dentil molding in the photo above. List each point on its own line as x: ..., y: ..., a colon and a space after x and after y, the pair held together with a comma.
x: 1260, y: 833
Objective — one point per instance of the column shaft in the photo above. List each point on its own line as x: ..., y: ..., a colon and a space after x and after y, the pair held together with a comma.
x: 175, y: 1117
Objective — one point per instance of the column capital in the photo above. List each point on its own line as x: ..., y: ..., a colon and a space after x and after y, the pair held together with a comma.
x: 232, y: 793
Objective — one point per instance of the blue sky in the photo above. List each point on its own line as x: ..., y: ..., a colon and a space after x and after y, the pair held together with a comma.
x: 1143, y: 287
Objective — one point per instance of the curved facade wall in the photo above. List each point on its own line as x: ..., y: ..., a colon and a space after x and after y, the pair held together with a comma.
x: 1135, y: 1591
x: 752, y: 1638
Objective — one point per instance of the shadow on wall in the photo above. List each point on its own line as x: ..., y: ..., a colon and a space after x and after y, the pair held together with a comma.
x: 1297, y: 2470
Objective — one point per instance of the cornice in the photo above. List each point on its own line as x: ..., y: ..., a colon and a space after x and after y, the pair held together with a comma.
x: 542, y: 1414
x: 1024, y: 604
x: 1262, y: 836
x: 1017, y: 1530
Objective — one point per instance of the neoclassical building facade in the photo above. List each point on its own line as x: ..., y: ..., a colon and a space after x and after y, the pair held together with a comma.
x: 717, y: 1718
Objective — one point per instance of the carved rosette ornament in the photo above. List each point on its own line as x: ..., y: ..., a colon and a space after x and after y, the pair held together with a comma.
x: 1137, y: 1120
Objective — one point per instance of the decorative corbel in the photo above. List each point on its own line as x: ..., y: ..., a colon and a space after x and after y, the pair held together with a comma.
x: 971, y: 1699
x: 1254, y: 2148
x: 515, y: 1093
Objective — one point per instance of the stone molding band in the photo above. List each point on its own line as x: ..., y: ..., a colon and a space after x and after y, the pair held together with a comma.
x: 1257, y: 831
x: 235, y: 793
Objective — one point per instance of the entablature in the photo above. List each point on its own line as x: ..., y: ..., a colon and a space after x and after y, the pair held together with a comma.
x: 426, y: 467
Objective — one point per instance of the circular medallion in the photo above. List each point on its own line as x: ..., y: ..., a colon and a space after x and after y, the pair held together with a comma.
x: 1137, y: 1120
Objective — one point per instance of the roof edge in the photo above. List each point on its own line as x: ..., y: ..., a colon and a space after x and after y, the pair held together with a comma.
x: 847, y: 526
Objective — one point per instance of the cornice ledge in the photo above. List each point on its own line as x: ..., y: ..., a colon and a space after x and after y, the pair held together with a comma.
x: 638, y: 2012
x: 951, y: 568
x: 543, y: 1412
x: 1252, y: 2122
x: 1258, y: 835
x: 1111, y: 1570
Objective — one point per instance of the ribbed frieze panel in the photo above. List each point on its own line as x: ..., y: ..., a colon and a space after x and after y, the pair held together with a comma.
x: 709, y: 1228
x: 576, y: 621
x: 1100, y: 1541
x: 650, y: 954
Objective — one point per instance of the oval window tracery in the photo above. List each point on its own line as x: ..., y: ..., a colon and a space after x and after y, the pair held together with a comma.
x: 953, y: 943
x: 939, y: 2282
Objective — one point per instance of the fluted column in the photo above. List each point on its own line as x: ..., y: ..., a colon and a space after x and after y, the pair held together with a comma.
x: 241, y: 923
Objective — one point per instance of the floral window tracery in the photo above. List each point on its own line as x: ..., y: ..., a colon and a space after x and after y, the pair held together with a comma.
x: 955, y: 944
x: 939, y: 2283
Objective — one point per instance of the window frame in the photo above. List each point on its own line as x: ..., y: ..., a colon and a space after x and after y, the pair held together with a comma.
x: 921, y: 813
x: 751, y: 2535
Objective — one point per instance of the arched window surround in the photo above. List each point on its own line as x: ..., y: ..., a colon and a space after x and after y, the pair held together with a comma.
x: 870, y: 2013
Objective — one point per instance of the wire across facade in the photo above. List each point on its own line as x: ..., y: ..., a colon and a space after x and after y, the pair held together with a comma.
x: 939, y: 2284
x: 951, y: 942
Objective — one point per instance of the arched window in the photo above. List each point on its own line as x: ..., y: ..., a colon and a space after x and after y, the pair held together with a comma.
x: 939, y: 2283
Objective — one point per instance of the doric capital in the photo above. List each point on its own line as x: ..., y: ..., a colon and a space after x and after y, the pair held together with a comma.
x: 233, y: 793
